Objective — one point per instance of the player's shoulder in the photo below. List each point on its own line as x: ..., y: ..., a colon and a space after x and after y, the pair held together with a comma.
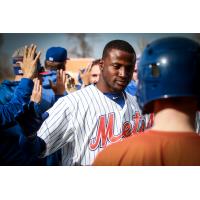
x: 78, y: 95
x: 131, y: 98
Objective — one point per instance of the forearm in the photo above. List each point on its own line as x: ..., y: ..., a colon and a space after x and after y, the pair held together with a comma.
x: 23, y: 92
x: 20, y: 99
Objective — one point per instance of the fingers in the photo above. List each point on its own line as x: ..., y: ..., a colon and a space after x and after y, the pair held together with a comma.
x: 37, y: 84
x: 88, y: 69
x: 61, y: 76
x: 25, y: 51
x: 34, y: 86
x: 38, y: 56
x: 33, y: 51
x: 37, y: 91
x: 30, y: 49
x: 40, y: 88
x: 60, y: 72
x: 29, y: 52
x: 64, y: 77
x: 29, y: 65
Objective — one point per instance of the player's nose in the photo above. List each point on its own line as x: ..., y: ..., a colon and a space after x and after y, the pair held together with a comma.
x: 122, y: 72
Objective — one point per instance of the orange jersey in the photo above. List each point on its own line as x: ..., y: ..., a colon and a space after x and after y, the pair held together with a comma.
x: 153, y: 148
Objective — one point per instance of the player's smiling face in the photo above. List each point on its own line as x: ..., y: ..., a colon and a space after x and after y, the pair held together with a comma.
x: 117, y: 70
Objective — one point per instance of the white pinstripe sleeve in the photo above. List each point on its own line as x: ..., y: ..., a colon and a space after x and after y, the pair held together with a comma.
x: 56, y: 129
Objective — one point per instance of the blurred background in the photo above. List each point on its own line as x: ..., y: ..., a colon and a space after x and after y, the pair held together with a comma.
x: 78, y: 45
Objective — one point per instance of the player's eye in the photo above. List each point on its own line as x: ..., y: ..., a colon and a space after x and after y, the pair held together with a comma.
x: 116, y: 66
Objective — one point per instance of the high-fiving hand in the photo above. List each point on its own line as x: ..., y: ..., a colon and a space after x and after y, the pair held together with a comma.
x: 37, y: 91
x: 59, y: 87
x: 85, y: 74
x: 29, y: 65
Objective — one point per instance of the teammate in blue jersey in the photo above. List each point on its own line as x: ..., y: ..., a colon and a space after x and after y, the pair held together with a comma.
x: 11, y: 153
x: 20, y: 99
x: 7, y: 89
x: 55, y: 60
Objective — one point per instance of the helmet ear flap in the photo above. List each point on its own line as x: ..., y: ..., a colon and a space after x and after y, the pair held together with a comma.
x: 155, y: 71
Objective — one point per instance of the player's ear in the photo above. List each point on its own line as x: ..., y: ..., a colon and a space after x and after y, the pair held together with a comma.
x: 101, y: 64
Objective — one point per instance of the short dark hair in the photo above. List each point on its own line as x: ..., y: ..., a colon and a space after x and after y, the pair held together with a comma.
x: 49, y: 65
x: 120, y: 45
x: 96, y: 62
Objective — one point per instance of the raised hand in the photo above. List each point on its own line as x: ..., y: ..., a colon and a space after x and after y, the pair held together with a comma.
x: 59, y: 87
x: 85, y: 74
x: 29, y: 65
x: 37, y: 91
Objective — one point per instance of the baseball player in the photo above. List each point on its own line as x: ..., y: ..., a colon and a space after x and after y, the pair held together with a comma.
x: 7, y: 87
x: 91, y: 74
x: 86, y: 121
x: 20, y: 99
x: 169, y: 79
x: 55, y: 60
x: 11, y: 152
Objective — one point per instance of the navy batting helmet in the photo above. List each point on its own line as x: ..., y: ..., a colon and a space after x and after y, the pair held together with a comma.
x: 169, y: 67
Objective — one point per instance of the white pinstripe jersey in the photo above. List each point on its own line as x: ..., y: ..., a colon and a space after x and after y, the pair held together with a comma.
x: 86, y: 121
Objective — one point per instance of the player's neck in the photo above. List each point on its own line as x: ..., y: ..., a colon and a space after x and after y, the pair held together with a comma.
x: 170, y: 119
x: 101, y: 86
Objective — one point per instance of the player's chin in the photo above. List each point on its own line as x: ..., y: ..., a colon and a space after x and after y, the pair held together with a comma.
x: 120, y: 86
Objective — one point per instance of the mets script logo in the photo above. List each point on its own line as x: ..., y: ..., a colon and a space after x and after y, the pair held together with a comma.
x: 105, y: 131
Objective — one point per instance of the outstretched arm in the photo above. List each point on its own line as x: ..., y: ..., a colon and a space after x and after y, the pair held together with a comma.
x: 21, y: 97
x: 23, y: 92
